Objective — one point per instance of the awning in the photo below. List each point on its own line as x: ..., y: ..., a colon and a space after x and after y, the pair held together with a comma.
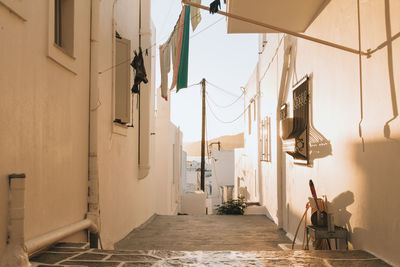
x: 294, y: 15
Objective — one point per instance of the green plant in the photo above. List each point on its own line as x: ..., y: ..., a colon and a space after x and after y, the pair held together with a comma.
x: 234, y: 206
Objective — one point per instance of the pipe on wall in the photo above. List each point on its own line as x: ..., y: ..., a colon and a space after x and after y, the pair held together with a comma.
x: 93, y: 179
x: 36, y: 244
x: 146, y: 95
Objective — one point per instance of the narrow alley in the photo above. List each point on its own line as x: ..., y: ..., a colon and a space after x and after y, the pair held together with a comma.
x: 199, y: 133
x: 202, y: 241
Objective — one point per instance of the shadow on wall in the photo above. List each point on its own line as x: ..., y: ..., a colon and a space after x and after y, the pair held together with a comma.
x: 378, y: 199
x: 320, y: 147
x: 389, y: 44
x: 338, y: 206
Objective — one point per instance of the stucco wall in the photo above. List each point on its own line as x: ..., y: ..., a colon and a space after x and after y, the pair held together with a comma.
x: 125, y: 200
x: 360, y: 181
x: 44, y: 119
x: 45, y: 122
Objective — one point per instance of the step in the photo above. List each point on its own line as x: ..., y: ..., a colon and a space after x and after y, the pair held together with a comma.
x: 255, y: 210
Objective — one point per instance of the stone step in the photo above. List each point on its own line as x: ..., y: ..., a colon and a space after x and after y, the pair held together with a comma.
x: 255, y: 210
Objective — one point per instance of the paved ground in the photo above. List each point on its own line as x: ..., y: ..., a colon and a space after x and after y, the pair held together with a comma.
x: 69, y: 254
x: 201, y: 241
x: 216, y: 232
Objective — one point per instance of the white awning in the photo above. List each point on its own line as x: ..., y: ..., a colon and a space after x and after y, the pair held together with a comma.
x: 294, y: 15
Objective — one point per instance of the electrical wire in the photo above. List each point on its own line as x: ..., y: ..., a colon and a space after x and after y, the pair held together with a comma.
x: 227, y: 122
x: 222, y: 89
x: 226, y: 106
x: 166, y: 17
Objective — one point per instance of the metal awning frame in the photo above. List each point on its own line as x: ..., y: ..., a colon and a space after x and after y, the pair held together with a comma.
x: 279, y: 29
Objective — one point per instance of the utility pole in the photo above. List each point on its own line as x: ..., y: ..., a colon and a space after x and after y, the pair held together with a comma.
x: 203, y: 132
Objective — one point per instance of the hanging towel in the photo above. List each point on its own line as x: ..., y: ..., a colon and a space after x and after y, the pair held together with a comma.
x: 179, y: 38
x: 182, y: 80
x: 165, y: 66
x: 196, y: 16
x: 173, y: 44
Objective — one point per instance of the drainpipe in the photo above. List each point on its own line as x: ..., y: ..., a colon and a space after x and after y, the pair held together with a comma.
x: 93, y: 195
x: 35, y: 245
x: 15, y: 253
x: 146, y: 93
x: 290, y: 44
x: 259, y: 137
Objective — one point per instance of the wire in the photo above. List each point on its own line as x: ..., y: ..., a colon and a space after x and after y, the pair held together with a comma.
x: 223, y: 90
x: 206, y: 28
x: 232, y: 121
x: 174, y: 90
x: 166, y: 17
x: 273, y: 58
x: 226, y: 106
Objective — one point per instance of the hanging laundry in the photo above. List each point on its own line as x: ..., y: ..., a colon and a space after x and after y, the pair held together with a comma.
x: 173, y: 39
x: 214, y: 6
x: 140, y: 76
x: 196, y: 16
x: 180, y: 26
x: 184, y: 59
x: 165, y: 66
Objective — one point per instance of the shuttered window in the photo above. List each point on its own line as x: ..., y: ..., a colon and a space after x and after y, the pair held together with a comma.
x: 122, y: 81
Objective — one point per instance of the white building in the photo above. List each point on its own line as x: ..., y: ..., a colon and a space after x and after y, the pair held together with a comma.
x: 64, y: 79
x: 350, y: 105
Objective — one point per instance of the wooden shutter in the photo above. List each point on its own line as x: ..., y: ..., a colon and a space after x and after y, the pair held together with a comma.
x: 122, y: 80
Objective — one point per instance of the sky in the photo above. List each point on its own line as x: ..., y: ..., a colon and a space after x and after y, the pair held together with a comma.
x: 225, y: 60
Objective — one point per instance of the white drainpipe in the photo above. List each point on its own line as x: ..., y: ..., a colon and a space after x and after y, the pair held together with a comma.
x: 34, y: 245
x: 93, y: 198
x: 146, y: 94
x: 15, y: 253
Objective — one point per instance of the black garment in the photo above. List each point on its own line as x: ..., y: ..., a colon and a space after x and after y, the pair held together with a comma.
x: 140, y: 76
x: 214, y: 6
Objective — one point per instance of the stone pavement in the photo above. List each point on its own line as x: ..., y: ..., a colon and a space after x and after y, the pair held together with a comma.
x: 72, y: 254
x: 201, y: 241
x: 208, y: 232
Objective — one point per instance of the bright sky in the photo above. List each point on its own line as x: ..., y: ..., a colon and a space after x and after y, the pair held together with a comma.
x: 225, y: 60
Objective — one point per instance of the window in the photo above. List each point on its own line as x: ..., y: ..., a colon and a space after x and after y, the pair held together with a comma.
x: 64, y: 25
x: 301, y: 123
x: 61, y: 31
x: 122, y: 81
x: 266, y: 139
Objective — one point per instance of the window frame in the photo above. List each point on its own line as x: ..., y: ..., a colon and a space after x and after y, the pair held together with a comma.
x: 61, y: 56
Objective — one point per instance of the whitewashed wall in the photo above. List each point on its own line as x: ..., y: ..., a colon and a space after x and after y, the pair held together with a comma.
x: 359, y: 179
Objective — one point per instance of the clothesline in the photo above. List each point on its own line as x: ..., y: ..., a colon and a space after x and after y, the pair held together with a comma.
x: 151, y: 46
